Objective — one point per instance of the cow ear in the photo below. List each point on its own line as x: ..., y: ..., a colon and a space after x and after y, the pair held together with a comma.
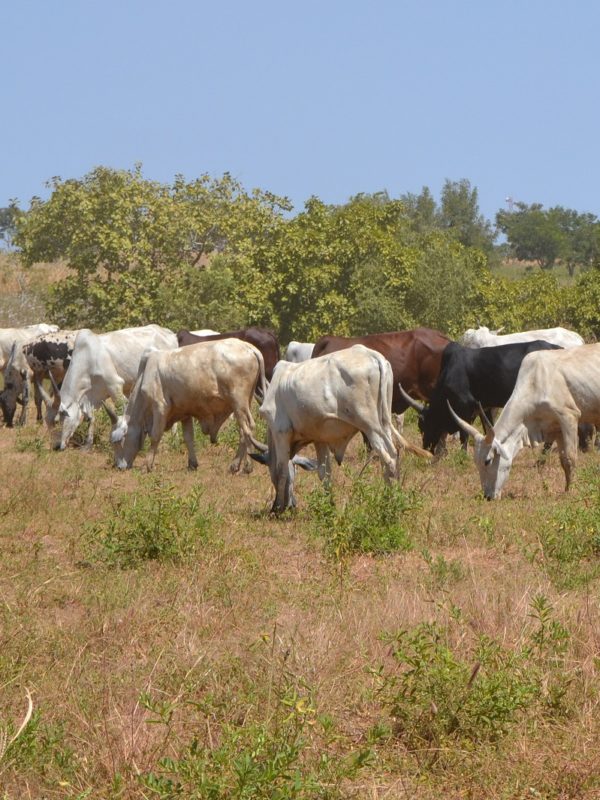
x: 490, y: 437
x: 501, y: 450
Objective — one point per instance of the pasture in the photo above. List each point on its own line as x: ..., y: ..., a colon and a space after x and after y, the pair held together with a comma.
x: 180, y: 642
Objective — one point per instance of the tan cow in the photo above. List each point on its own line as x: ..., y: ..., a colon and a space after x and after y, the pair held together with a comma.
x: 206, y: 381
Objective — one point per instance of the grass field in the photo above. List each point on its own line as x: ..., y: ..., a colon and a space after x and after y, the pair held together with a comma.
x: 180, y: 642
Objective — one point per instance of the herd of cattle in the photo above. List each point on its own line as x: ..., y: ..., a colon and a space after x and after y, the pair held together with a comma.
x: 546, y: 382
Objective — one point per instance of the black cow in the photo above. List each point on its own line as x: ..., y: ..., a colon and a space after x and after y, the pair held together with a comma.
x: 469, y: 378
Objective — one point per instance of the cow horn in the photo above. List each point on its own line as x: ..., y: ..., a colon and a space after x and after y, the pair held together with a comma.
x: 113, y: 417
x: 43, y: 393
x: 500, y: 329
x: 419, y: 407
x: 487, y: 425
x: 466, y: 426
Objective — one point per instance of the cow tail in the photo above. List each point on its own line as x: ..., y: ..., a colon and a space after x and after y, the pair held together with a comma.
x: 385, y: 410
x: 412, y: 448
x: 262, y: 380
x: 386, y: 417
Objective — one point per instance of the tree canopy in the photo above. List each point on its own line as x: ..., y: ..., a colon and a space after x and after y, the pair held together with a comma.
x: 209, y: 253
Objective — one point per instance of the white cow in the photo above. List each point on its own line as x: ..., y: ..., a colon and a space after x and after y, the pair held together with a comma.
x: 104, y: 365
x: 326, y: 401
x: 555, y: 390
x: 299, y: 351
x: 13, y: 366
x: 484, y: 337
x: 207, y: 381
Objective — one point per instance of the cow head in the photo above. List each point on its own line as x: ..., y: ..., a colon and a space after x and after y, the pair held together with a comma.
x: 8, y: 403
x: 71, y: 416
x: 493, y: 459
x: 430, y: 422
x: 13, y: 386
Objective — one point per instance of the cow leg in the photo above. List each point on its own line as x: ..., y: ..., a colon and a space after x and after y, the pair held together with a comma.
x: 324, y: 464
x: 282, y: 474
x: 388, y: 455
x: 187, y: 426
x: 567, y: 446
x: 245, y: 423
x: 23, y: 416
x: 37, y: 397
x: 89, y: 438
x: 158, y: 428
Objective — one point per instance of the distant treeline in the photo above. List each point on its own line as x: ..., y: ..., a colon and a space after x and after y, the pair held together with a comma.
x: 208, y: 253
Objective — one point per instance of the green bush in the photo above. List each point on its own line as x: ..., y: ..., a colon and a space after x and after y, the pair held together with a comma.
x: 438, y: 696
x: 369, y: 521
x: 570, y: 542
x: 153, y: 523
x: 274, y: 754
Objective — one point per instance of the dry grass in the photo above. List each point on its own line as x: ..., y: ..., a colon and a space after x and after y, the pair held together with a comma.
x: 214, y: 637
x: 130, y: 665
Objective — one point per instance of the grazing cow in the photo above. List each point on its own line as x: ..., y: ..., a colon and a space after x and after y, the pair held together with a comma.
x: 484, y: 337
x: 15, y: 370
x: 265, y: 341
x: 555, y: 391
x: 468, y: 377
x: 326, y: 401
x: 299, y: 351
x: 415, y: 357
x: 206, y: 381
x: 102, y: 366
x: 49, y: 356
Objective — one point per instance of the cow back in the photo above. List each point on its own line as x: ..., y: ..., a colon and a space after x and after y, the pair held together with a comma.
x: 262, y: 339
x: 415, y: 357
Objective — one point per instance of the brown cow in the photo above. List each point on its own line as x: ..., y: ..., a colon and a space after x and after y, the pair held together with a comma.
x: 262, y: 339
x: 415, y: 356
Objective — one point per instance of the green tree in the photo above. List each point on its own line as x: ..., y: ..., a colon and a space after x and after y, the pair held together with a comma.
x: 422, y: 210
x: 532, y: 234
x: 579, y: 236
x: 9, y: 216
x: 142, y: 251
x: 459, y: 214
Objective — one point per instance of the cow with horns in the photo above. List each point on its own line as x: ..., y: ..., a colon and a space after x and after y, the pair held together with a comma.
x: 555, y: 391
x: 470, y: 378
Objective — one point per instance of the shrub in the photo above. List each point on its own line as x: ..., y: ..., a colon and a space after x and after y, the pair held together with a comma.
x: 570, y: 541
x: 438, y: 695
x: 154, y: 523
x: 370, y: 520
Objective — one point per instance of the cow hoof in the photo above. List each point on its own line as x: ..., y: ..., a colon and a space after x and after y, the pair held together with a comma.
x: 192, y: 465
x: 248, y: 467
x: 234, y: 467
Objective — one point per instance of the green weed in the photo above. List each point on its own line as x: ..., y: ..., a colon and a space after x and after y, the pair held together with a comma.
x: 152, y: 523
x: 438, y: 697
x: 369, y: 521
x: 30, y: 441
x: 570, y: 543
x: 442, y: 572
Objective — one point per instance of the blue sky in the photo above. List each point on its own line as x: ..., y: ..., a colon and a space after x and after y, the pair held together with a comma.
x: 326, y: 98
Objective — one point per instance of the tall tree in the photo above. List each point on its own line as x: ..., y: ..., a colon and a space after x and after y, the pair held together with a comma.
x: 459, y: 213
